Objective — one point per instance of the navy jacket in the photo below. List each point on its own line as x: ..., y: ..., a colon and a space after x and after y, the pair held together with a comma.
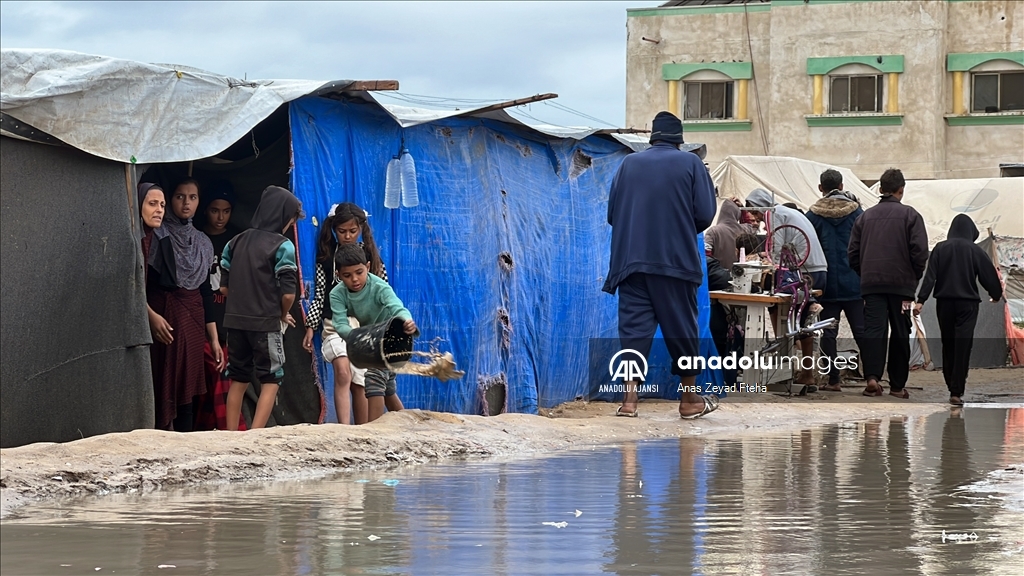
x: 660, y: 200
x: 833, y: 217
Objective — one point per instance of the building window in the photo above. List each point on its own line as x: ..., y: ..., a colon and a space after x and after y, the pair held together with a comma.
x: 707, y: 100
x: 997, y: 92
x: 855, y: 94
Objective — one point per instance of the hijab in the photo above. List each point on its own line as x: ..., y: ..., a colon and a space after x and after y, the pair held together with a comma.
x: 180, y: 249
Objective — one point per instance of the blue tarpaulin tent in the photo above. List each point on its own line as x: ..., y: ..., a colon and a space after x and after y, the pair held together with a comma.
x: 503, y: 259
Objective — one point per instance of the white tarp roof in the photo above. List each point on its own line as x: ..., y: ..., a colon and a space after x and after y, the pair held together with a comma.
x: 120, y: 109
x: 135, y: 112
x: 996, y: 203
x: 791, y: 179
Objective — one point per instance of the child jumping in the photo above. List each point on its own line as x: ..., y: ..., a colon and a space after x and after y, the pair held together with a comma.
x: 371, y: 301
x: 955, y: 267
x: 261, y: 265
x: 344, y: 225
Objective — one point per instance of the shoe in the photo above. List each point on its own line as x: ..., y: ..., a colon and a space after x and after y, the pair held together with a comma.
x: 956, y: 401
x: 899, y: 394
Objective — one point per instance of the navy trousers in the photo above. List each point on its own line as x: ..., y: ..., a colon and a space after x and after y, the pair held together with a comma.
x: 647, y: 301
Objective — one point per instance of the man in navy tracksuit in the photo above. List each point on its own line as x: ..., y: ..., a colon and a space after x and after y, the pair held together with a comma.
x: 660, y: 200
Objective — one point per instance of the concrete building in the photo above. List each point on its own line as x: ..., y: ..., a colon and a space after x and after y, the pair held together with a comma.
x: 934, y: 87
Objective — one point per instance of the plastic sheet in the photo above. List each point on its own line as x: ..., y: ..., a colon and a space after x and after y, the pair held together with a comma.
x: 503, y: 259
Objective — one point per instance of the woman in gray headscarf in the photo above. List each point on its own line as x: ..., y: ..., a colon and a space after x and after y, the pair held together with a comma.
x: 179, y: 259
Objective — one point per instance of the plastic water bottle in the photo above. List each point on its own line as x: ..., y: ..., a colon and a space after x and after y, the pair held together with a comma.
x: 393, y: 184
x: 410, y: 193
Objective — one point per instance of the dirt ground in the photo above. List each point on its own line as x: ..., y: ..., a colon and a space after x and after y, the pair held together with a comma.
x: 145, y: 460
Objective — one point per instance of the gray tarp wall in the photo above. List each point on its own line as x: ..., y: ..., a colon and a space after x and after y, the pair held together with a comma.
x: 74, y: 354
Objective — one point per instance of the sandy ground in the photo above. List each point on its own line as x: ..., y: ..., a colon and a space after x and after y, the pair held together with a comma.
x: 150, y: 459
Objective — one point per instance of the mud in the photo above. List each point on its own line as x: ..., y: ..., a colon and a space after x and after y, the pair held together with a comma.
x: 145, y: 460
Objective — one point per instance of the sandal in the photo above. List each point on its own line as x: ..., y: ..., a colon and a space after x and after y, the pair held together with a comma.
x: 875, y: 390
x: 832, y: 388
x: 627, y: 414
x: 710, y: 405
x: 899, y: 394
x: 956, y: 401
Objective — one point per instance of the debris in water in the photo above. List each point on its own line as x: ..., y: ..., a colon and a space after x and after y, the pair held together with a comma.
x: 162, y: 566
x: 556, y: 524
x: 363, y: 481
x: 373, y: 537
x: 440, y: 366
x: 578, y: 513
x: 389, y: 482
x: 57, y: 478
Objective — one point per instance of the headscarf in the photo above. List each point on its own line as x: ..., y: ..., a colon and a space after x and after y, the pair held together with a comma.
x: 192, y: 250
x: 722, y: 236
x: 277, y: 207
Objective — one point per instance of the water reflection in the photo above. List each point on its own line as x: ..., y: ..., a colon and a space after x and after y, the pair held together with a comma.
x: 866, y: 498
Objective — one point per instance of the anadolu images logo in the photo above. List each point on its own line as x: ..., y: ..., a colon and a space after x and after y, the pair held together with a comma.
x: 628, y: 369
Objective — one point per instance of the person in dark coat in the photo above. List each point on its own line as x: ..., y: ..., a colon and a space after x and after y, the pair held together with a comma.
x: 832, y: 217
x: 955, y: 267
x: 888, y: 250
x: 660, y: 200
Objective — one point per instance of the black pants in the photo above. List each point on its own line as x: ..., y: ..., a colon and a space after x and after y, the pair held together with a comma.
x: 184, y: 420
x: 854, y: 310
x: 957, y: 319
x: 647, y: 301
x: 885, y: 319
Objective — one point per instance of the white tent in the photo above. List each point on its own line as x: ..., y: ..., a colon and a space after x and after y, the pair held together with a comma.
x: 996, y: 203
x: 791, y: 179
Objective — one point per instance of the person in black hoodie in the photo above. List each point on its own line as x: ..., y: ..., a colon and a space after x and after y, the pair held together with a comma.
x: 832, y: 217
x: 263, y: 272
x: 955, y: 267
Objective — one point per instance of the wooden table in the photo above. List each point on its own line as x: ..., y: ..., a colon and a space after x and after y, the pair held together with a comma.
x: 755, y: 332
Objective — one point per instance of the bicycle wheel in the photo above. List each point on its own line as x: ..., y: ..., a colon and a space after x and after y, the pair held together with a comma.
x: 790, y: 247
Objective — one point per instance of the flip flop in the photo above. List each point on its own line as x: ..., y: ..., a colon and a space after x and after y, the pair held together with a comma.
x: 710, y: 405
x: 900, y: 394
x: 876, y: 392
x: 956, y: 401
x: 832, y: 388
x: 620, y: 412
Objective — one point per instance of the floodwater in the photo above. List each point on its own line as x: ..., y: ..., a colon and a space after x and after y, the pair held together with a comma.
x: 942, y: 494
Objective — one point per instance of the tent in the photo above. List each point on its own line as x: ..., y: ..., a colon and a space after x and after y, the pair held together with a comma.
x: 501, y: 263
x: 791, y: 179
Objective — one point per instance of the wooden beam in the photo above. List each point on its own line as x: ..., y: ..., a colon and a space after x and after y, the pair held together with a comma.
x: 623, y: 131
x: 511, y: 103
x: 372, y: 85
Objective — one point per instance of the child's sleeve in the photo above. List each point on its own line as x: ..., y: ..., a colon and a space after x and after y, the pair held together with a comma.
x: 285, y: 267
x: 339, y: 311
x: 225, y: 263
x: 316, y: 305
x: 394, y: 306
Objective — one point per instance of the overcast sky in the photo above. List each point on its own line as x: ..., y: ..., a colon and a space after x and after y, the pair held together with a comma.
x: 471, y: 50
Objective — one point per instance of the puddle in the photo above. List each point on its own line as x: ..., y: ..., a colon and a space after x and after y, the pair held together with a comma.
x: 933, y: 495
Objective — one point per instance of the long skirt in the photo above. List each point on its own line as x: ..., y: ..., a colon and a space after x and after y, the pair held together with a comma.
x: 211, y: 408
x: 178, y: 375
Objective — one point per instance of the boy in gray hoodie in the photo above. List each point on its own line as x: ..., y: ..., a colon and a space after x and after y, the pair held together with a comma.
x: 261, y: 266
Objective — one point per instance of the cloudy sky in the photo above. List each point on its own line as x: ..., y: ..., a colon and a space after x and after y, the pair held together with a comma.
x: 466, y: 50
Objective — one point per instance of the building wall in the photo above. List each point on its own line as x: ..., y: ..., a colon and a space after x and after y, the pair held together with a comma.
x: 782, y: 38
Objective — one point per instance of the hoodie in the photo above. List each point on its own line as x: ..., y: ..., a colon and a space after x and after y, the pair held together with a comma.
x: 816, y: 261
x: 957, y: 264
x: 261, y: 265
x: 660, y: 200
x: 833, y: 217
x: 720, y: 239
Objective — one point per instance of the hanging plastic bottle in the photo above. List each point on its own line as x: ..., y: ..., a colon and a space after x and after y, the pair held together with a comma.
x: 410, y: 193
x: 393, y: 184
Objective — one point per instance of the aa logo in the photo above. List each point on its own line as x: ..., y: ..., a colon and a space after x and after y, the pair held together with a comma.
x: 625, y: 365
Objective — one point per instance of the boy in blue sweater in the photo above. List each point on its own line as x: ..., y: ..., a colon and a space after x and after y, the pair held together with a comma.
x: 369, y: 300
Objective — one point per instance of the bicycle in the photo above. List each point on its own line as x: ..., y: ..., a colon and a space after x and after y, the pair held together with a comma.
x: 787, y: 248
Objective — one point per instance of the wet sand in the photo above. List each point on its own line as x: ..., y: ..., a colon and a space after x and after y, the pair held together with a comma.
x: 145, y: 460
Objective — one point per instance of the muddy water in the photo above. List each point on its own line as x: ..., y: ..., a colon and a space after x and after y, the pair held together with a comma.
x: 866, y: 498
